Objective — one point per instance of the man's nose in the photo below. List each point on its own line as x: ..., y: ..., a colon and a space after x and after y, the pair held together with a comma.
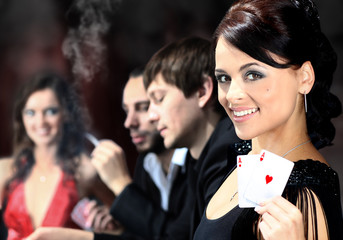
x: 131, y: 120
x: 153, y: 113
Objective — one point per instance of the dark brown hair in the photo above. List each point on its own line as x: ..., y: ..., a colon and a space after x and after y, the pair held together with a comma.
x: 71, y: 142
x: 185, y: 64
x: 291, y: 30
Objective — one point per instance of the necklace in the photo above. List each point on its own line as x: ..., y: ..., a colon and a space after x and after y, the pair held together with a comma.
x: 282, y: 156
x: 233, y: 195
x: 296, y: 147
x: 42, y: 179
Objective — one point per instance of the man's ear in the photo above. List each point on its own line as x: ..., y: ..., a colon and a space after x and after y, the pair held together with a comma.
x: 306, y: 77
x: 205, y: 92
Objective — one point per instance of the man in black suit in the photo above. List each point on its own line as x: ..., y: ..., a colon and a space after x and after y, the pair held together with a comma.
x: 158, y: 190
x: 182, y: 90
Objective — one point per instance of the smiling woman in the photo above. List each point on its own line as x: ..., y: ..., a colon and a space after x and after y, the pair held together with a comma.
x: 252, y: 90
x: 274, y: 68
x: 42, y: 117
x: 49, y: 162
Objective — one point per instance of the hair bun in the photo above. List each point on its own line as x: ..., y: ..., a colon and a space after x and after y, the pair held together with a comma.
x: 310, y: 10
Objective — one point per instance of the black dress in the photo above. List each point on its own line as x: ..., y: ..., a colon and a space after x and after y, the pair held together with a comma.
x: 306, y: 175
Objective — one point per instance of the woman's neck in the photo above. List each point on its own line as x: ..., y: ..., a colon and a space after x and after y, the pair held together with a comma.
x: 288, y: 137
x: 45, y: 156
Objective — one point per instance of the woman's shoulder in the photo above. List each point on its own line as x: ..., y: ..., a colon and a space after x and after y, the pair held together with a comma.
x: 313, y: 173
x: 5, y: 174
x: 6, y: 161
x: 5, y: 167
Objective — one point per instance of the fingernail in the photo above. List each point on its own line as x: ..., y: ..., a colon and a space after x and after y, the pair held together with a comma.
x: 88, y: 224
x: 257, y: 209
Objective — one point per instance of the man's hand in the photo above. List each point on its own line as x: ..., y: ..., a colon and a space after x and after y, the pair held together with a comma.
x: 99, y: 217
x: 109, y: 160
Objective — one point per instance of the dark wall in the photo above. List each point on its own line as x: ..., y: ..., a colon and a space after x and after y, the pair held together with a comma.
x: 332, y: 25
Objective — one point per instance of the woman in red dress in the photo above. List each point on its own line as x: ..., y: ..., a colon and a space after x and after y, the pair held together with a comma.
x: 49, y: 159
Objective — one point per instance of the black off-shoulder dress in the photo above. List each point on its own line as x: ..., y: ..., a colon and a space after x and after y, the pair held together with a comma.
x: 306, y: 175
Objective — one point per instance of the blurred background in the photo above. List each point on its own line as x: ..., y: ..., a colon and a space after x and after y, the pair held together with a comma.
x: 96, y: 43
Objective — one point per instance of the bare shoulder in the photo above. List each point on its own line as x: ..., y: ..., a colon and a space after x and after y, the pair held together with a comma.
x: 5, y: 167
x: 308, y: 152
x: 6, y: 159
x: 5, y: 173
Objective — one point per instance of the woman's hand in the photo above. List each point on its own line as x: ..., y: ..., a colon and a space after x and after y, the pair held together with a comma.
x: 280, y: 220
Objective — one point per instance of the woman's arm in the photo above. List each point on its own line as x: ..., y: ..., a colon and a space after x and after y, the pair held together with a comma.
x: 5, y: 173
x: 52, y: 233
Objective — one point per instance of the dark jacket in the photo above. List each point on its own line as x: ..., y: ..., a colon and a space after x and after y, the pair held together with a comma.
x: 138, y: 208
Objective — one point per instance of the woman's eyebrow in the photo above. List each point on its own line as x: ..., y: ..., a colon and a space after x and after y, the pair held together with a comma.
x: 219, y: 71
x: 249, y: 65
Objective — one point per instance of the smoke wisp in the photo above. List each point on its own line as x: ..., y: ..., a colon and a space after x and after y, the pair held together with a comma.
x: 84, y: 45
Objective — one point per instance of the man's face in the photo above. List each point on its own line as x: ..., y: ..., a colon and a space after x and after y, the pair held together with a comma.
x: 177, y: 117
x: 143, y: 132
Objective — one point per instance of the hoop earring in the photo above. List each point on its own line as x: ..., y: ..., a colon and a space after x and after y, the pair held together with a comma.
x: 305, y: 102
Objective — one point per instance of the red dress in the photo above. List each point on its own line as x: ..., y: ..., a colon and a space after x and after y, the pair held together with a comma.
x: 16, y: 216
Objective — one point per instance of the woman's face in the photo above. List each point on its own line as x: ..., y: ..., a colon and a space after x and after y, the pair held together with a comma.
x: 42, y: 117
x: 258, y: 98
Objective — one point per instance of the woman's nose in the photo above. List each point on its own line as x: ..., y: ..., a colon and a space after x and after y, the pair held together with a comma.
x: 235, y: 92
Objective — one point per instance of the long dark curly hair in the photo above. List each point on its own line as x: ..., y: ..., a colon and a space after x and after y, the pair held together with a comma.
x: 71, y: 142
x: 290, y: 29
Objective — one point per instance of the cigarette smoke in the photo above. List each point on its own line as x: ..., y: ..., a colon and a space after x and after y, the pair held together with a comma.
x: 84, y: 45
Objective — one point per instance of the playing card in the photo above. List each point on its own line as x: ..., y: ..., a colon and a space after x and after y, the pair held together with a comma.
x: 245, y: 167
x: 79, y: 215
x: 269, y: 177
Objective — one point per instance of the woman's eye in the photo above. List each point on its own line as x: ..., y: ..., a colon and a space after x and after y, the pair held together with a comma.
x: 253, y: 76
x: 51, y: 111
x: 223, y: 78
x: 29, y: 112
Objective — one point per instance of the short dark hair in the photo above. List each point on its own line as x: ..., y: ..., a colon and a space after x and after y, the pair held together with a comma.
x: 291, y: 30
x: 137, y: 71
x: 185, y: 64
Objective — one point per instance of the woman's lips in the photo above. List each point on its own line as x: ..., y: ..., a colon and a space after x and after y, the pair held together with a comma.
x: 242, y: 115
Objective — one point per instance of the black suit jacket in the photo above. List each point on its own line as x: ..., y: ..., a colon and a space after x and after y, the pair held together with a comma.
x: 138, y: 208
